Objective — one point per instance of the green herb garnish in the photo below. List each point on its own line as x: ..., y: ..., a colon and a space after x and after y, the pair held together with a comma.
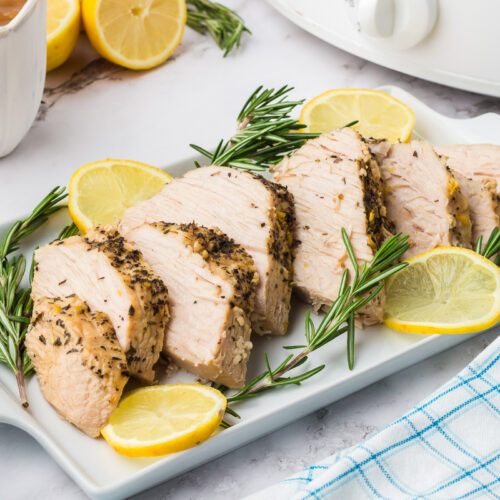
x: 491, y: 248
x: 15, y: 302
x: 68, y: 231
x: 367, y: 283
x: 266, y: 132
x: 223, y: 24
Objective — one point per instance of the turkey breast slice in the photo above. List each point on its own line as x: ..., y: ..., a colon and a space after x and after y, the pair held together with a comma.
x: 336, y: 183
x: 110, y: 276
x: 80, y: 365
x: 211, y: 282
x: 256, y: 213
x: 424, y: 199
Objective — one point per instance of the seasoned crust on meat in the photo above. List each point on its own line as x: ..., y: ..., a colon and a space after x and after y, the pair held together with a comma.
x: 149, y: 311
x: 257, y: 214
x: 476, y: 161
x: 479, y: 163
x: 424, y: 199
x: 378, y: 226
x: 280, y: 241
x: 212, y: 284
x: 483, y: 203
x: 223, y: 256
x: 335, y: 182
x: 111, y: 276
x: 81, y: 367
x: 281, y: 248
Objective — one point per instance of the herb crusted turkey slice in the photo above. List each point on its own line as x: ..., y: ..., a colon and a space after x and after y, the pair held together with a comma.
x: 256, y: 213
x: 110, y: 276
x: 211, y: 282
x: 477, y: 161
x: 477, y: 167
x: 80, y: 365
x: 484, y: 206
x: 480, y: 191
x: 335, y: 183
x: 424, y: 199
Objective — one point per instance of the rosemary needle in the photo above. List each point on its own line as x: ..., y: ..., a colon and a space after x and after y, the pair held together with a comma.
x: 491, y: 247
x: 68, y: 231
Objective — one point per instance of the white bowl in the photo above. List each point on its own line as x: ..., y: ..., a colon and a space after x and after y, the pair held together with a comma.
x: 23, y: 53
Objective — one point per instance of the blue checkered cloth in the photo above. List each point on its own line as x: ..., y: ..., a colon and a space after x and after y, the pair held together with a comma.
x: 447, y: 447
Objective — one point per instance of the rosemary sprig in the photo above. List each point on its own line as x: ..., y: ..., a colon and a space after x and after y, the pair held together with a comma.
x: 492, y: 246
x: 223, y: 24
x: 265, y: 132
x: 15, y: 302
x: 365, y: 285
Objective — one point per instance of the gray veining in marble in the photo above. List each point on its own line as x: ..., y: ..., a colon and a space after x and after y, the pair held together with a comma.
x: 95, y: 110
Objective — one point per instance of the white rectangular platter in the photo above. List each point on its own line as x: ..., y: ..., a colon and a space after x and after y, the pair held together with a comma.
x: 103, y: 474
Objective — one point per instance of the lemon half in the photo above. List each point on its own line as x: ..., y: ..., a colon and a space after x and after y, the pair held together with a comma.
x: 136, y: 34
x: 164, y: 419
x: 379, y: 115
x: 445, y: 290
x: 63, y: 28
x: 100, y: 192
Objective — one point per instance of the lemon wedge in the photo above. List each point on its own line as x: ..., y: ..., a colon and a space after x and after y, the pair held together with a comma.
x: 136, y: 34
x: 63, y: 28
x: 100, y: 192
x: 164, y: 419
x: 445, y: 290
x: 379, y: 115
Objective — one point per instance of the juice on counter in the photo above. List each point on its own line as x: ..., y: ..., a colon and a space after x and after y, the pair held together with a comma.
x: 9, y: 10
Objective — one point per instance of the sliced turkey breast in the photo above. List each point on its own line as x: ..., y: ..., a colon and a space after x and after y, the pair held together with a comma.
x: 335, y: 183
x: 481, y: 192
x: 484, y: 207
x: 111, y: 276
x: 424, y: 199
x: 211, y: 282
x: 474, y: 160
x: 480, y: 162
x: 80, y: 365
x: 256, y: 213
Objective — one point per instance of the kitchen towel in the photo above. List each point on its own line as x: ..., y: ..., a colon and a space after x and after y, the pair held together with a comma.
x: 447, y: 447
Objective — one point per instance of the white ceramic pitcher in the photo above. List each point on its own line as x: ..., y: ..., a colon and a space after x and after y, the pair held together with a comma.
x: 23, y: 54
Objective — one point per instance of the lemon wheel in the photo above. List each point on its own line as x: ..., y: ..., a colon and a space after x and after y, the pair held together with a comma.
x: 445, y: 290
x: 378, y: 115
x: 100, y: 192
x: 164, y: 419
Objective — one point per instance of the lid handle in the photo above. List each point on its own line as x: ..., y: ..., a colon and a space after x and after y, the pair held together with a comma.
x: 399, y: 24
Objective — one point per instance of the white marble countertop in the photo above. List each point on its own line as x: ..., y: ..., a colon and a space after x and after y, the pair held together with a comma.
x: 94, y: 110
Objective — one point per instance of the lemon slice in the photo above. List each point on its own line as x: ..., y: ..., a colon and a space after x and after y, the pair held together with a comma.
x: 445, y: 290
x: 164, y: 419
x: 63, y: 28
x: 137, y: 34
x: 100, y: 192
x: 379, y: 115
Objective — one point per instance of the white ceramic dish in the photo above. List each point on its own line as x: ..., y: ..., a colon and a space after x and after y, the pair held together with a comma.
x: 103, y: 474
x: 444, y: 41
x: 23, y: 55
